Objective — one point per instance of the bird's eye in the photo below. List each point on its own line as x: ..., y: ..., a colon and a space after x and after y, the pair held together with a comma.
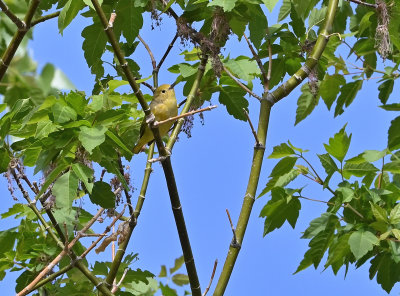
x: 163, y: 91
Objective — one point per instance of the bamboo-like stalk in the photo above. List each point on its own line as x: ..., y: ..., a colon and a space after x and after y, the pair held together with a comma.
x: 166, y: 163
x: 17, y: 39
x: 268, y: 100
x: 139, y: 204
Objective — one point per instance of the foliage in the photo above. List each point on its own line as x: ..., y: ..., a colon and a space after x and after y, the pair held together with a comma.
x: 81, y: 142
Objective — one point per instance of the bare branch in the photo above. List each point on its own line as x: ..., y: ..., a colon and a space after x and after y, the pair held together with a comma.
x: 364, y: 3
x: 235, y: 241
x: 153, y: 61
x: 251, y: 126
x: 212, y: 277
x: 258, y: 60
x: 241, y: 84
x: 166, y: 53
x: 209, y: 108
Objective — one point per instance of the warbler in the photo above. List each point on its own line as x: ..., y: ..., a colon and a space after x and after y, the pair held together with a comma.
x: 163, y: 106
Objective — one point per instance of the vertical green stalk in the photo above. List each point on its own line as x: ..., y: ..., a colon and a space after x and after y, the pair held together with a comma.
x: 249, y: 198
x: 122, y: 247
x: 268, y: 100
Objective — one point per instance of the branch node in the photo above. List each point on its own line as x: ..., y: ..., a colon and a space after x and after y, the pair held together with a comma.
x: 270, y: 98
x: 112, y: 19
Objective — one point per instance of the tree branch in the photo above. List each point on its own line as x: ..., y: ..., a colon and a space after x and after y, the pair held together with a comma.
x: 241, y: 84
x: 364, y: 3
x: 17, y: 39
x: 15, y: 19
x: 258, y: 60
x: 209, y: 108
x: 153, y: 61
x: 45, y: 18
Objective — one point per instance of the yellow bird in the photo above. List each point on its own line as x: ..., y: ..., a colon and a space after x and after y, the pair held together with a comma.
x: 163, y: 106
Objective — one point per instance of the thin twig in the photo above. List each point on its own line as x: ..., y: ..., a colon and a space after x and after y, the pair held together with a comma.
x: 166, y: 53
x: 148, y: 86
x: 266, y: 84
x: 258, y: 60
x: 251, y: 126
x: 364, y: 3
x: 381, y: 174
x: 108, y: 228
x: 241, y: 84
x: 153, y: 61
x: 56, y: 260
x: 116, y: 286
x: 346, y: 205
x: 45, y: 18
x: 15, y: 19
x: 127, y: 195
x: 209, y: 108
x: 235, y: 242
x: 212, y: 277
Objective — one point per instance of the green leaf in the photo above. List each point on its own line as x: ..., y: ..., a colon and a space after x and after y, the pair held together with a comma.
x: 4, y: 160
x: 243, y: 67
x: 7, y: 240
x: 114, y: 84
x: 395, y: 214
x: 280, y: 181
x: 367, y: 155
x: 65, y: 190
x: 163, y: 271
x: 68, y: 13
x: 339, y: 145
x: 178, y: 264
x: 338, y: 253
x: 258, y: 26
x: 281, y: 150
x: 391, y: 107
x: 394, y: 134
x: 119, y: 142
x: 347, y: 193
x: 284, y: 10
x: 361, y: 242
x: 77, y: 101
x: 180, y: 279
x: 284, y: 166
x: 305, y: 104
x: 44, y: 128
x: 92, y: 137
x: 385, y: 89
x: 167, y: 291
x: 319, y: 224
x: 90, y: 4
x: 280, y: 208
x: 52, y: 177
x: 187, y: 70
x: 129, y: 19
x: 386, y: 269
x: 348, y: 93
x: 392, y: 167
x: 318, y: 246
x: 85, y: 174
x: 227, y: 5
x: 329, y: 88
x: 102, y: 195
x: 63, y: 113
x: 270, y: 4
x: 233, y: 98
x: 379, y: 213
x: 328, y: 164
x: 317, y: 17
x: 358, y: 170
x: 94, y: 43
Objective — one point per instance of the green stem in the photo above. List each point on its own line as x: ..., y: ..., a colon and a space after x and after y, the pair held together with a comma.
x: 249, y: 198
x: 53, y: 276
x: 122, y: 247
x: 268, y: 100
x: 17, y: 39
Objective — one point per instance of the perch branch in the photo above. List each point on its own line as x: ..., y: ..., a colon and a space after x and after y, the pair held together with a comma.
x: 209, y: 108
x: 15, y: 19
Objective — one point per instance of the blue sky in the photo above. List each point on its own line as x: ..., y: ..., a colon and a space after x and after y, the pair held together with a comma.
x: 211, y: 171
